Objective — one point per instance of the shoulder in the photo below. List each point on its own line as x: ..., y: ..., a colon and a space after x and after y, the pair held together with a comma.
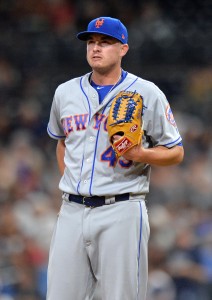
x: 144, y: 84
x: 146, y: 87
x: 72, y: 83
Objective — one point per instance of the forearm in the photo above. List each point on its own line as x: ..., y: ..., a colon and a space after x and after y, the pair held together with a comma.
x: 157, y: 156
x: 60, y: 153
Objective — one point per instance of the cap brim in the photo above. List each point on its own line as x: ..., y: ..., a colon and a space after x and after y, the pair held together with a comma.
x: 84, y: 35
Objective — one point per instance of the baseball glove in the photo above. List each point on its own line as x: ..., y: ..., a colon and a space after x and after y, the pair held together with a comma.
x: 125, y: 120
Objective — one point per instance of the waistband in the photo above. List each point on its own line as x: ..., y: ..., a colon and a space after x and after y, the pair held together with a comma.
x: 95, y: 201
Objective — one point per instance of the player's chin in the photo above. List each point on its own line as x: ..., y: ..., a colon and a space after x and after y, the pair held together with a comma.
x: 95, y: 63
x: 98, y: 66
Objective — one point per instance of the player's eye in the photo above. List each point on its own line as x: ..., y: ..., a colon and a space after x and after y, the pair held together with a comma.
x: 90, y: 42
x: 105, y: 43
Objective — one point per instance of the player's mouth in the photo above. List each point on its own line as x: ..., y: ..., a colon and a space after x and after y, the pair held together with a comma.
x: 96, y: 57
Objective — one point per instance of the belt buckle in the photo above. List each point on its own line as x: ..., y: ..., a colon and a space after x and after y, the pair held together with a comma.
x: 84, y: 203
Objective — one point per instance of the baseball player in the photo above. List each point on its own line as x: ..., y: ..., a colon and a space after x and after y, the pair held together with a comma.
x: 102, y: 231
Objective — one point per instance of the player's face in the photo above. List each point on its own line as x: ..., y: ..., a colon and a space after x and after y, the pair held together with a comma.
x: 104, y: 53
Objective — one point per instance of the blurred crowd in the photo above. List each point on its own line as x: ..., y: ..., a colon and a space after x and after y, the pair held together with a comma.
x: 170, y: 44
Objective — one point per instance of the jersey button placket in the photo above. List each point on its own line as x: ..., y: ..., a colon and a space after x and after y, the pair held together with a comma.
x: 88, y: 161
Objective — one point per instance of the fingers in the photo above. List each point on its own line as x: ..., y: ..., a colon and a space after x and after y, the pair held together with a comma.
x: 115, y: 137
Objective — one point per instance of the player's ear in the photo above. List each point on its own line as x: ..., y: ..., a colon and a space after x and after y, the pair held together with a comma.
x: 124, y: 49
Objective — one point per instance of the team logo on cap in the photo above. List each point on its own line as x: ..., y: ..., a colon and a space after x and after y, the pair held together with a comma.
x: 99, y: 23
x: 123, y: 36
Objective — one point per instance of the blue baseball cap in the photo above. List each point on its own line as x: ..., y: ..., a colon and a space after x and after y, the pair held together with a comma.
x: 107, y: 26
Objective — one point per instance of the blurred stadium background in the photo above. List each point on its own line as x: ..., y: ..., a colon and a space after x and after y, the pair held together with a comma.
x: 171, y: 44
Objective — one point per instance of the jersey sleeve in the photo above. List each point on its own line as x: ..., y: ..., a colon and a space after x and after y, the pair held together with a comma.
x: 54, y: 127
x: 161, y: 126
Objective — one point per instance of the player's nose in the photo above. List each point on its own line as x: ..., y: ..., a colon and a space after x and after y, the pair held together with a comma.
x: 96, y: 46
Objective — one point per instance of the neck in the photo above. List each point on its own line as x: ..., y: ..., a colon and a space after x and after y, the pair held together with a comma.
x: 106, y: 79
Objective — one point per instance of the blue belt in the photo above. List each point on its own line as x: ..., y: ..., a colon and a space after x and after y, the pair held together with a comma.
x: 96, y: 201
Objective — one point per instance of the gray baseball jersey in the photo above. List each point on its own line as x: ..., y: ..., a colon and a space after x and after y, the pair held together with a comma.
x: 77, y: 117
x: 106, y: 245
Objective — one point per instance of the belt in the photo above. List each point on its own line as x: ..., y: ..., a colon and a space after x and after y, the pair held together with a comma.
x: 96, y: 201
